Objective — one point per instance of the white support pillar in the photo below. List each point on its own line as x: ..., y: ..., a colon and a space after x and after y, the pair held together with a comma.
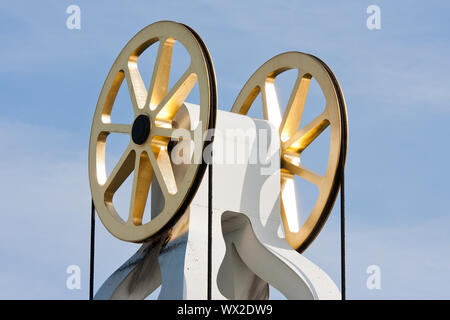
x: 248, y: 246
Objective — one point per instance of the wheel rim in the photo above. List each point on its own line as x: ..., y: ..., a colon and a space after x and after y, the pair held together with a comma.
x: 293, y: 141
x: 147, y: 154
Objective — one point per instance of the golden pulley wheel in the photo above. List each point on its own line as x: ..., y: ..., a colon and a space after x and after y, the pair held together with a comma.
x: 293, y: 139
x: 147, y: 154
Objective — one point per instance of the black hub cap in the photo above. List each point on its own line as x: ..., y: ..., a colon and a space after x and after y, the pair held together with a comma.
x: 141, y: 129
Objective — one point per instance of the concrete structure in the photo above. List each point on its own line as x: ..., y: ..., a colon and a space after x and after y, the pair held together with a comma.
x: 249, y: 249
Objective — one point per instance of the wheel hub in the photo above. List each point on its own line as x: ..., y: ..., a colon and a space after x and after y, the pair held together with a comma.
x: 141, y: 129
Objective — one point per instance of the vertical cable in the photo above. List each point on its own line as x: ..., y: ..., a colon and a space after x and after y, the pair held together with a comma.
x: 343, y: 289
x: 91, y: 263
x: 210, y: 188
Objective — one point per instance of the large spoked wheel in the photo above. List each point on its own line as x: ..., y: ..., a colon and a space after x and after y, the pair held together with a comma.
x: 147, y: 154
x: 294, y: 141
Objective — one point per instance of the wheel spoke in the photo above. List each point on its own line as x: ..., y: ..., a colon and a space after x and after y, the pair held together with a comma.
x: 136, y: 87
x: 162, y: 132
x: 271, y: 106
x: 116, y: 128
x: 111, y: 96
x: 169, y: 106
x: 141, y: 184
x: 159, y: 84
x: 120, y: 173
x: 289, y: 210
x: 174, y: 134
x: 303, y: 138
x: 162, y: 169
x: 294, y: 110
x: 292, y: 164
x: 166, y: 170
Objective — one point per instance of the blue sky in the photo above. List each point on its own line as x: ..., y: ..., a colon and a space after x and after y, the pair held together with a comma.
x: 395, y: 81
